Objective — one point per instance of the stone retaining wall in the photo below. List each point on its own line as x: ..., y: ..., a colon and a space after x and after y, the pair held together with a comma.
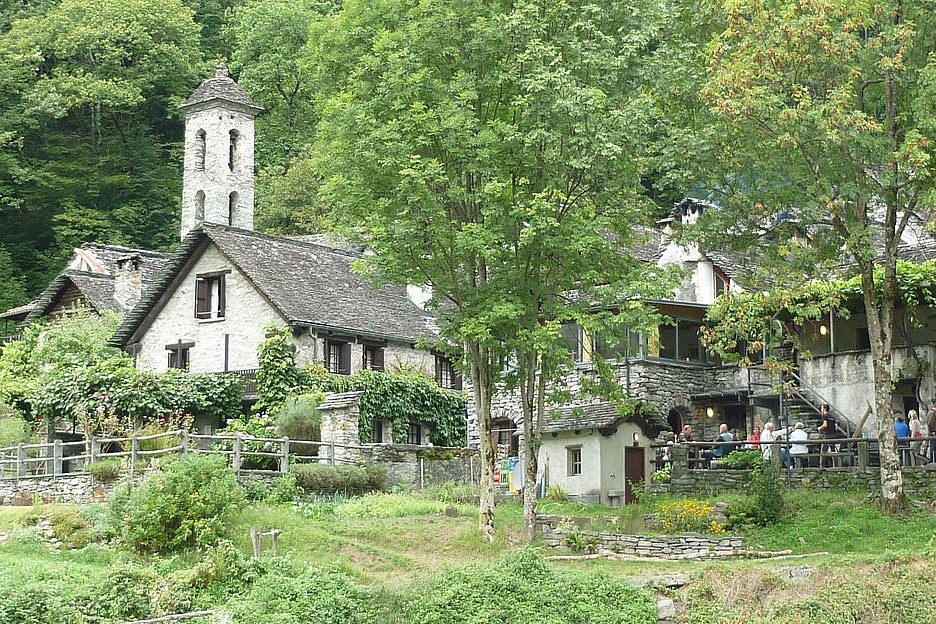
x: 918, y: 480
x: 415, y: 466
x: 554, y: 530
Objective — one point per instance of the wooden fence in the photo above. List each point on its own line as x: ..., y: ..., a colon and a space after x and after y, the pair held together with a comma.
x: 244, y: 453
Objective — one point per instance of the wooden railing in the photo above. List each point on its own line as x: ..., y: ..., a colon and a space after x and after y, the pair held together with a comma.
x: 59, y: 458
x: 848, y: 453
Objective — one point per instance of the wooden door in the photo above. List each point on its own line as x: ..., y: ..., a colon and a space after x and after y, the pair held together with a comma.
x: 634, y: 462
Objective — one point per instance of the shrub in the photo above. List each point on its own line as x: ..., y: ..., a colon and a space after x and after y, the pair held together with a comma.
x: 743, y: 460
x: 105, y: 469
x: 522, y: 589
x: 316, y: 595
x: 34, y: 605
x: 185, y: 504
x: 556, y: 494
x: 299, y: 419
x: 324, y: 479
x: 70, y: 527
x: 13, y: 430
x: 662, y: 475
x: 692, y: 516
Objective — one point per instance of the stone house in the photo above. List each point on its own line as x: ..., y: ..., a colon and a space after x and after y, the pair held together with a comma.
x: 210, y: 305
x: 678, y: 383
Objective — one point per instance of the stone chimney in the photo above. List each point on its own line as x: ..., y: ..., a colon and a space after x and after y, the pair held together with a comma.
x: 128, y: 281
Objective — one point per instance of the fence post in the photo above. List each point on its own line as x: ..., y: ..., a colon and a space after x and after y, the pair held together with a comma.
x: 20, y: 460
x: 134, y: 449
x: 422, y: 474
x: 236, y: 460
x: 284, y: 457
x: 183, y: 440
x: 57, y: 458
x: 95, y: 449
x: 331, y: 454
x: 863, y: 456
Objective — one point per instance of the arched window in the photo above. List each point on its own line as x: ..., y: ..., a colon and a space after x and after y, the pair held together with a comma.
x: 199, y: 207
x: 232, y: 150
x: 232, y: 208
x: 200, y: 150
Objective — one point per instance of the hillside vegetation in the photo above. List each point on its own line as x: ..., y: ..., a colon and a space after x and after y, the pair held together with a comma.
x: 418, y: 557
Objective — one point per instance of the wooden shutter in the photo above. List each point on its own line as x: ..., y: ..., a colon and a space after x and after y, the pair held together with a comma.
x: 202, y: 298
x: 378, y: 358
x: 344, y: 360
x: 221, y: 297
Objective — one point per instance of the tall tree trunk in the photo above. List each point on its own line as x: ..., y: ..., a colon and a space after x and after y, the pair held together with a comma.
x: 481, y: 379
x: 880, y: 313
x: 528, y: 393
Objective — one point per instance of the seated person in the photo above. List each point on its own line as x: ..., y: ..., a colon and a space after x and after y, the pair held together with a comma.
x: 720, y: 451
x: 798, y: 448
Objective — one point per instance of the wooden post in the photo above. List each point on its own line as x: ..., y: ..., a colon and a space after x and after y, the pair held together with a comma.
x: 3, y: 462
x: 255, y: 542
x: 236, y: 460
x: 95, y: 449
x: 20, y: 460
x: 284, y: 457
x: 863, y: 456
x: 183, y: 440
x: 134, y: 451
x: 331, y: 454
x: 57, y: 458
x: 274, y: 534
x: 422, y: 474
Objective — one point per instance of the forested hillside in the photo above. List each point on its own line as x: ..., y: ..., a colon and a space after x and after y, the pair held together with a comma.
x: 90, y: 133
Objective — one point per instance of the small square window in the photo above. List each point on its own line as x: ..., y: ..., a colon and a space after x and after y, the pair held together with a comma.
x: 179, y: 358
x: 338, y: 357
x: 574, y: 460
x: 376, y: 431
x: 373, y: 358
x: 414, y: 433
x: 445, y: 374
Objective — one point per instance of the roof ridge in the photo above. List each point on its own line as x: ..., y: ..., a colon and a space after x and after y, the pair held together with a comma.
x: 297, y: 241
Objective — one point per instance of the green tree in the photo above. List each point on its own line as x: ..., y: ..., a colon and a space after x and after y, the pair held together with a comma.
x: 88, y: 120
x: 270, y: 37
x: 489, y: 151
x: 825, y: 125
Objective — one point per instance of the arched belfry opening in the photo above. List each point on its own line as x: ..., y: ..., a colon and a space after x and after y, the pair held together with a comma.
x: 233, y: 140
x: 233, y: 200
x: 200, y: 143
x: 199, y: 207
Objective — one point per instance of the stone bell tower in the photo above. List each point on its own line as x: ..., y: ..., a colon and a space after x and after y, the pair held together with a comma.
x: 218, y: 173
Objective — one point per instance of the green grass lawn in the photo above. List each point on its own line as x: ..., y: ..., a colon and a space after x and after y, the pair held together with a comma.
x: 394, y: 543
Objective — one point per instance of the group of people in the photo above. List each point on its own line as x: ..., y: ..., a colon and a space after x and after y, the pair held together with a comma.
x: 795, y: 452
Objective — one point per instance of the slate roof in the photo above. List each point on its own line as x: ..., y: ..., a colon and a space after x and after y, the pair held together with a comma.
x: 221, y: 87
x: 97, y: 285
x: 19, y: 312
x: 340, y: 400
x: 310, y: 284
x: 599, y: 415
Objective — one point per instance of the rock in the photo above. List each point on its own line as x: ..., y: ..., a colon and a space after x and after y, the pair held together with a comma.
x: 668, y: 581
x: 666, y: 609
x: 797, y: 573
x: 451, y: 512
x: 21, y: 498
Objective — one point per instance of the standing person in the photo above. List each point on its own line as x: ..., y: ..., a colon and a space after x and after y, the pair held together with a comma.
x: 766, y: 437
x: 916, y: 432
x: 931, y: 429
x: 828, y: 429
x: 685, y: 437
x: 798, y: 448
x: 902, y: 431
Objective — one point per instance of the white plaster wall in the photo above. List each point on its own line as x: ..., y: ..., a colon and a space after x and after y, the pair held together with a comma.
x: 217, y: 181
x: 553, y: 458
x: 246, y: 314
x: 704, y: 279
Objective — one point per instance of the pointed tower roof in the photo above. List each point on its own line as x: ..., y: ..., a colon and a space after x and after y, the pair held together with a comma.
x: 221, y: 87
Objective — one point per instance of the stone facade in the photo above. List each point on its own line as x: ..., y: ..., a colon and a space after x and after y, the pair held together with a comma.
x: 214, y: 169
x: 233, y: 338
x: 74, y: 489
x: 554, y: 530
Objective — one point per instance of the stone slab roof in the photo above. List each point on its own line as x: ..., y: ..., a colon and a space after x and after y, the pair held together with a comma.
x: 97, y: 284
x: 599, y: 416
x: 221, y: 87
x: 19, y: 312
x: 310, y: 284
x: 340, y: 400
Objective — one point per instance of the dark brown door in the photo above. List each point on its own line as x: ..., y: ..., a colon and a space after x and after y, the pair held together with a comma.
x: 633, y: 470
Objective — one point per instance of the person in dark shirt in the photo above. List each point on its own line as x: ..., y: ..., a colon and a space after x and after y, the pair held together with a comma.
x: 901, y: 430
x: 828, y: 429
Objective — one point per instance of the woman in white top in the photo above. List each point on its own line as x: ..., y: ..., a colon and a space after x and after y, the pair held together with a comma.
x: 767, y: 435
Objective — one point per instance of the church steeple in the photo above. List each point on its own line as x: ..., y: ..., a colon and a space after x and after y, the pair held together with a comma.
x: 218, y: 172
